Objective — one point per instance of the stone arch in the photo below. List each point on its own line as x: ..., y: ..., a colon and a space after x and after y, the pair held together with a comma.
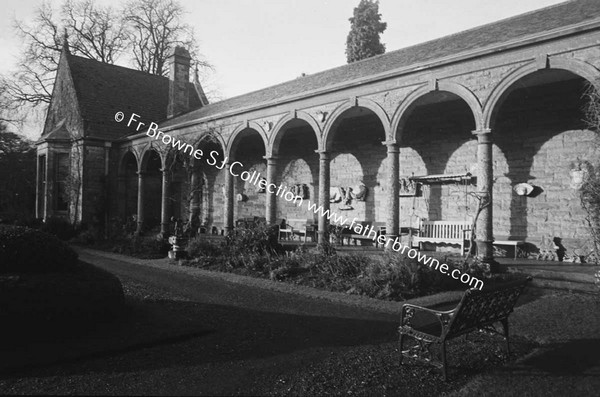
x: 273, y: 146
x: 575, y: 66
x: 249, y: 125
x: 145, y: 156
x: 123, y: 157
x: 403, y: 111
x: 535, y: 114
x: 341, y: 109
x: 127, y: 184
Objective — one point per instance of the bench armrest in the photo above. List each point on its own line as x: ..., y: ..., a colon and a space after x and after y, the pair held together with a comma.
x: 409, y: 310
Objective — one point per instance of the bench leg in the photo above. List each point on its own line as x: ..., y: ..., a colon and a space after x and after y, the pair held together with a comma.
x: 444, y: 370
x: 505, y: 327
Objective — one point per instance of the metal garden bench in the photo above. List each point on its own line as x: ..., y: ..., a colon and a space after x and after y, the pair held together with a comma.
x: 477, y: 310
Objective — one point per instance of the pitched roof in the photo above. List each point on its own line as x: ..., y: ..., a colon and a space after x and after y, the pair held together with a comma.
x: 539, y: 21
x: 103, y: 89
x: 59, y: 133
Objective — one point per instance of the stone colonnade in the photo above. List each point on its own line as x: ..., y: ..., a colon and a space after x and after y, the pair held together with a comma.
x: 482, y: 115
x: 484, y: 187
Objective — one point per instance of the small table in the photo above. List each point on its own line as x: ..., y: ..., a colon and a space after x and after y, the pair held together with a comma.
x: 515, y: 243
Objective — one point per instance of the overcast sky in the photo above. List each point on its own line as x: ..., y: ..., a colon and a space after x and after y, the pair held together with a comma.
x: 257, y: 43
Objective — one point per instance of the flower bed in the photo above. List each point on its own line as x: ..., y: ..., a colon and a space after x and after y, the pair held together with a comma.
x: 255, y: 252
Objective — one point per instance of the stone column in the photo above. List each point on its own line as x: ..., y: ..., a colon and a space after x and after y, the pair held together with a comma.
x: 323, y: 195
x: 140, y: 203
x: 164, y: 204
x: 228, y: 200
x: 122, y: 195
x: 271, y: 198
x: 195, y: 187
x: 484, y: 225
x: 393, y: 203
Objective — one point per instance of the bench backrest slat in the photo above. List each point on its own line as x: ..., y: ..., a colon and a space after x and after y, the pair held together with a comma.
x: 481, y: 308
x: 298, y: 223
x: 446, y: 229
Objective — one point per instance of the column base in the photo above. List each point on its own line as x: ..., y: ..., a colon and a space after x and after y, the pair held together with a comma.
x: 485, y: 254
x: 322, y: 237
x: 390, y: 247
x: 164, y: 233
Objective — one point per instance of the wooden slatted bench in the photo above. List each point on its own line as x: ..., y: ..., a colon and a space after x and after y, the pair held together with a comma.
x: 443, y: 232
x: 514, y: 243
x: 477, y: 310
x: 295, y: 227
x: 351, y: 235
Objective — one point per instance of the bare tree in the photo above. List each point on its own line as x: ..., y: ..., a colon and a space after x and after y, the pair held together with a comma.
x: 42, y: 43
x: 156, y: 28
x: 96, y: 32
x: 9, y: 113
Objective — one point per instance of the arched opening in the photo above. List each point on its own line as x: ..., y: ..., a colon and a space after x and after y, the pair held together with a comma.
x: 537, y: 123
x: 177, y: 165
x: 295, y: 147
x: 248, y: 150
x: 203, y: 197
x: 436, y: 142
x: 128, y: 187
x: 152, y: 174
x: 357, y: 157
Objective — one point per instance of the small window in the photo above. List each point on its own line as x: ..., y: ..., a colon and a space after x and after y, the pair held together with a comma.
x: 61, y: 194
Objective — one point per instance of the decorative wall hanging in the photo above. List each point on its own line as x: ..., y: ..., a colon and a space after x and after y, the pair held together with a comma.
x: 300, y: 190
x: 444, y: 178
x: 359, y: 192
x: 578, y: 173
x: 408, y: 187
x: 347, y: 199
x: 322, y: 116
x: 261, y: 186
x: 523, y: 189
x: 241, y: 197
x: 336, y: 194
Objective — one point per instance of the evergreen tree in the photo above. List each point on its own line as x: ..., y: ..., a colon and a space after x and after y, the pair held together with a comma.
x: 365, y: 28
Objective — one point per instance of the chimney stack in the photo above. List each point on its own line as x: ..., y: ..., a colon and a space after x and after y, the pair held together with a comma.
x: 179, y: 77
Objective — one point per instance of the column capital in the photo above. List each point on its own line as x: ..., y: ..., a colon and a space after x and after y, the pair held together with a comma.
x: 392, y: 146
x: 482, y: 131
x: 271, y: 158
x: 323, y: 154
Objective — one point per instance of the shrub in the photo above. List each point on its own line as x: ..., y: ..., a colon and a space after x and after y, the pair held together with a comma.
x: 151, y: 247
x: 59, y: 227
x: 24, y: 250
x: 259, y: 239
x: 144, y: 247
x: 590, y: 201
x: 199, y: 246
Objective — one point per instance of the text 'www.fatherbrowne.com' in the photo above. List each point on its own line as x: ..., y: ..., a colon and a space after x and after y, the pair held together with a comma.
x: 237, y: 169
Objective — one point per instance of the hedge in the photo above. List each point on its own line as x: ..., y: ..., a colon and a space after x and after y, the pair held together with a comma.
x: 25, y: 250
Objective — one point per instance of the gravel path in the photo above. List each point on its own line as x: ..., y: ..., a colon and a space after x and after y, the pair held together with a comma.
x: 204, y: 335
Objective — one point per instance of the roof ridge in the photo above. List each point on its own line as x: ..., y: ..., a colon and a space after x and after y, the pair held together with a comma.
x: 112, y: 65
x: 370, y: 59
